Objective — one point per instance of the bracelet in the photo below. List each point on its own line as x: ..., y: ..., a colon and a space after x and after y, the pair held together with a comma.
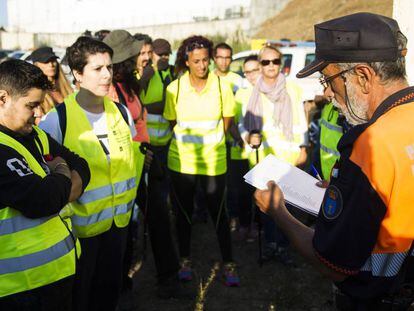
x: 65, y: 172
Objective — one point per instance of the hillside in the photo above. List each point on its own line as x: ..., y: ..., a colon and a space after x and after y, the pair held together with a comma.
x: 296, y: 20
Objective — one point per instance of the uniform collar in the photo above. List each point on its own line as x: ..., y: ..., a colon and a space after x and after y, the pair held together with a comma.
x: 401, y: 97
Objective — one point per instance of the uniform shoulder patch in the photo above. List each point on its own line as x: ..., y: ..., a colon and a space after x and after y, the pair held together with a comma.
x: 332, y: 204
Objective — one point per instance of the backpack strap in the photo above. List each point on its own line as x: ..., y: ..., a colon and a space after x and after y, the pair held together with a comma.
x: 120, y: 94
x: 61, y: 111
x: 123, y: 110
x: 178, y: 90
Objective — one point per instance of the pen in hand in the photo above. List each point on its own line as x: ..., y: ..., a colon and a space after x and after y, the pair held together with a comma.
x: 315, y: 172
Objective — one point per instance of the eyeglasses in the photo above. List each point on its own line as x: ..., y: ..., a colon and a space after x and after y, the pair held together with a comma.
x: 247, y: 72
x: 326, y: 81
x: 266, y: 62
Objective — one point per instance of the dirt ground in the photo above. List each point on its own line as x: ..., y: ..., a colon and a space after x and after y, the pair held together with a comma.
x: 270, y: 287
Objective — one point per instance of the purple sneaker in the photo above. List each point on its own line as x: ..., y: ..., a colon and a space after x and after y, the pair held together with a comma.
x: 231, y: 279
x: 185, y: 272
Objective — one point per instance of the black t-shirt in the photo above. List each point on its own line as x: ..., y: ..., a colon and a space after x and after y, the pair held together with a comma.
x: 29, y: 193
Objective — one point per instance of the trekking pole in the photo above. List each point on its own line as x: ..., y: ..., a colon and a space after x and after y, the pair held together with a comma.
x: 143, y: 149
x: 256, y: 134
x: 144, y: 245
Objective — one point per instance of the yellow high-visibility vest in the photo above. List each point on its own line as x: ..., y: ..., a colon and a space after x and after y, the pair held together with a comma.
x: 110, y: 194
x: 331, y: 133
x: 242, y: 98
x: 198, y: 144
x: 233, y: 79
x: 158, y: 128
x: 33, y: 252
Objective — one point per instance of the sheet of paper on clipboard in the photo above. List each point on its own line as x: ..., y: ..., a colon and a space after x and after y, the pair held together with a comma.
x: 298, y: 187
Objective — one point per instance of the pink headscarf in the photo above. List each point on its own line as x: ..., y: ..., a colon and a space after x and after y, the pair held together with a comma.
x: 282, y: 112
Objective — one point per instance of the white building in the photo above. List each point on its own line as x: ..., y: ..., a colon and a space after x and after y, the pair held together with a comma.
x: 74, y: 16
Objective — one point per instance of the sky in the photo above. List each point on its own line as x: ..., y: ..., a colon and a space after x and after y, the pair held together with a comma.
x: 123, y: 13
x: 3, y: 14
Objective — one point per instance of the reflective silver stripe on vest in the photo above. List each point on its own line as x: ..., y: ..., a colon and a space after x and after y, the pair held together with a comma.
x: 25, y: 262
x: 198, y: 125
x: 19, y: 223
x: 280, y: 145
x: 297, y: 129
x: 330, y: 126
x: 158, y: 132
x: 330, y: 151
x: 106, y: 213
x: 156, y: 118
x: 105, y: 191
x: 204, y: 140
x: 385, y: 265
x: 124, y: 208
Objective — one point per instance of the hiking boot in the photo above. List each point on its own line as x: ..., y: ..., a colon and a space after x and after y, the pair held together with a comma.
x: 172, y: 288
x: 185, y: 272
x: 231, y: 278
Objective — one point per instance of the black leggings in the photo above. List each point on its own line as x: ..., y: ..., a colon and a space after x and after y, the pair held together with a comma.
x: 184, y: 189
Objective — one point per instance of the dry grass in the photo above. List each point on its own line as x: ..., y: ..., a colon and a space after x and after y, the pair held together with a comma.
x: 296, y: 20
x: 203, y: 288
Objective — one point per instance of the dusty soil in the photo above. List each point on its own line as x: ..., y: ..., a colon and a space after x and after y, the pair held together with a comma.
x: 271, y: 287
x: 296, y: 20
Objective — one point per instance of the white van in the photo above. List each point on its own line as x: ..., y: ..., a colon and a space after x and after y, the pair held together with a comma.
x: 294, y: 59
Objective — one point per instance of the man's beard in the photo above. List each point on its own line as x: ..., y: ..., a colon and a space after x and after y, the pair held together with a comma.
x: 356, y: 111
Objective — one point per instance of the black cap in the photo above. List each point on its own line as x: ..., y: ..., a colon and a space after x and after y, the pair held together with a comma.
x: 42, y: 55
x: 360, y: 37
x: 161, y: 46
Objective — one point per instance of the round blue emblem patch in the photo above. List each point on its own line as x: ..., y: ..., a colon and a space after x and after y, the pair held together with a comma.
x: 332, y: 203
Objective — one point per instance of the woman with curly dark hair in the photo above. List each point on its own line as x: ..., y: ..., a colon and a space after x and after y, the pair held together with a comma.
x: 200, y: 109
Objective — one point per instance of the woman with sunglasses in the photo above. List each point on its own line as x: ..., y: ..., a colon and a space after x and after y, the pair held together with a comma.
x: 46, y: 60
x: 275, y: 110
x: 200, y: 109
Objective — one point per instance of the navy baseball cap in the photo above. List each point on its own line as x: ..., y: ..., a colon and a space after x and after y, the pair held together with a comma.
x: 42, y: 55
x: 360, y: 37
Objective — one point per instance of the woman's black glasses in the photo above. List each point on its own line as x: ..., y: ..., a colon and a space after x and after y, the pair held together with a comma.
x: 266, y: 62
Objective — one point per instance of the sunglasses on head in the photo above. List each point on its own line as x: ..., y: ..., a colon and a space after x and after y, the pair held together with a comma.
x: 193, y: 46
x: 266, y: 62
